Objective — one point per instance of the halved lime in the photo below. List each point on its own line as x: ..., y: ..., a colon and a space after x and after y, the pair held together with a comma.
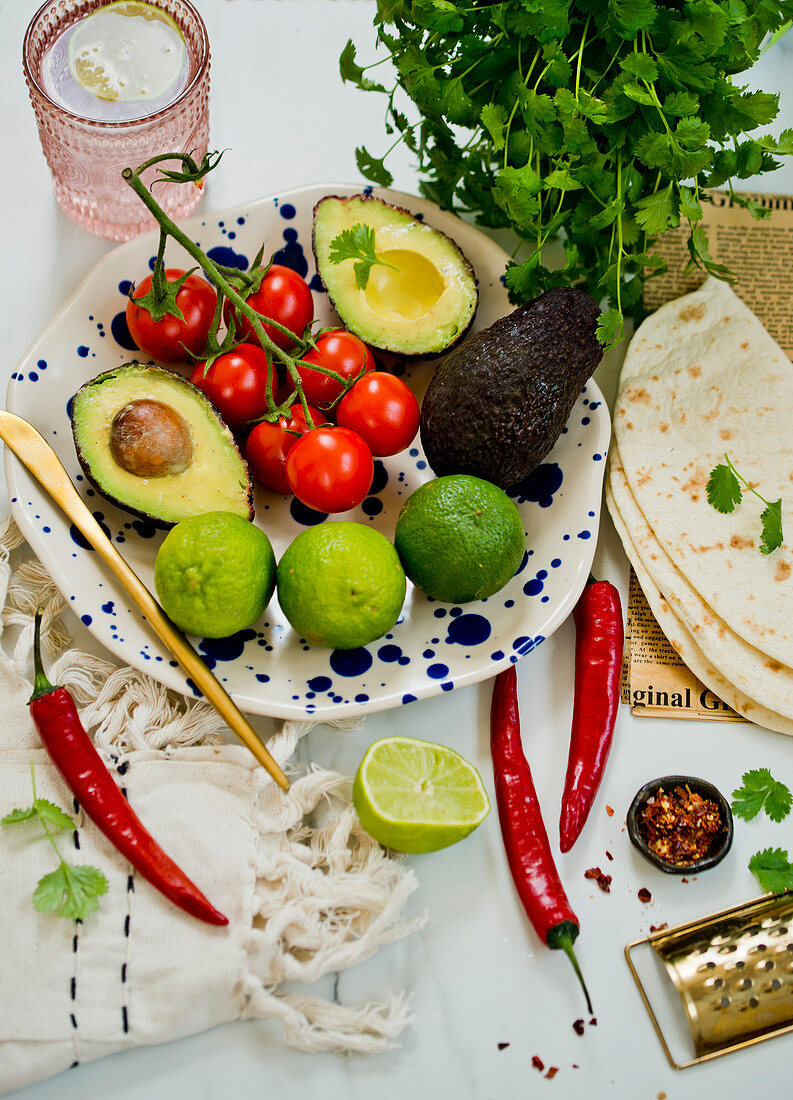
x: 414, y: 796
x: 126, y: 51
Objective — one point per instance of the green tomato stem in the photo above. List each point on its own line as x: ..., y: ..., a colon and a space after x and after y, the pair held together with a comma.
x: 170, y: 228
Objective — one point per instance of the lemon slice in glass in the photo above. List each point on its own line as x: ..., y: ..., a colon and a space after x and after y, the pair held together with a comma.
x: 127, y: 51
x: 415, y: 796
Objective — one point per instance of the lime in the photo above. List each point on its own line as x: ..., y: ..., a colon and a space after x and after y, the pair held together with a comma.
x: 126, y: 51
x: 214, y: 574
x: 413, y: 796
x: 459, y: 538
x: 340, y: 584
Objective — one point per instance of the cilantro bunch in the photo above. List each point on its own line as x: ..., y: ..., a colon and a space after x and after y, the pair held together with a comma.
x: 597, y: 121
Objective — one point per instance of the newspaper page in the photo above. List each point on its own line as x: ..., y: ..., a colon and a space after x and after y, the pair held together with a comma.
x: 656, y: 682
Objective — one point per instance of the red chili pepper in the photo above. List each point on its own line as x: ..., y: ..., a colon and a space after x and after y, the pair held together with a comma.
x: 73, y: 753
x: 525, y: 839
x: 599, y: 642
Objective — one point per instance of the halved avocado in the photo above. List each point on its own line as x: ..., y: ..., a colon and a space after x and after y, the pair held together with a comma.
x: 422, y: 303
x: 152, y: 443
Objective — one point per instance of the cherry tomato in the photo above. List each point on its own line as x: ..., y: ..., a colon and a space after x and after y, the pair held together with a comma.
x: 284, y: 296
x: 236, y: 384
x: 268, y: 445
x: 330, y: 469
x: 382, y: 410
x: 337, y: 350
x: 168, y: 338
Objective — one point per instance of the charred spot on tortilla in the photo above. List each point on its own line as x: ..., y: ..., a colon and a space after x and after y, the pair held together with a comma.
x: 741, y: 542
x: 692, y: 312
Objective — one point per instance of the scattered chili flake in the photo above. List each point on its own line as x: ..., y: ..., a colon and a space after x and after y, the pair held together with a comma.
x: 538, y: 1063
x: 610, y: 811
x: 552, y: 1071
x: 684, y: 880
x: 575, y: 1066
x: 644, y: 895
x: 593, y: 1022
x: 578, y: 1027
x: 603, y: 881
x: 503, y: 1046
x: 658, y: 927
x: 680, y: 827
x: 609, y: 855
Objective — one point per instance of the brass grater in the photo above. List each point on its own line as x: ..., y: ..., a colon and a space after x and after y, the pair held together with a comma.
x: 733, y: 971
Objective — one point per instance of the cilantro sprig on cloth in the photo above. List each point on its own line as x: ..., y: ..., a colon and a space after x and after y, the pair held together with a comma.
x: 597, y: 121
x: 72, y: 892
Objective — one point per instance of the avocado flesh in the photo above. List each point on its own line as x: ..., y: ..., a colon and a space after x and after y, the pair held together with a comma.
x: 216, y: 478
x: 422, y: 303
x: 497, y: 404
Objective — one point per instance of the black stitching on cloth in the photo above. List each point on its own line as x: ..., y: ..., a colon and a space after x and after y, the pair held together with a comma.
x: 122, y: 769
x: 75, y: 942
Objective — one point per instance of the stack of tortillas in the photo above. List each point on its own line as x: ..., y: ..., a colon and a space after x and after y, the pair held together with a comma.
x: 702, y: 378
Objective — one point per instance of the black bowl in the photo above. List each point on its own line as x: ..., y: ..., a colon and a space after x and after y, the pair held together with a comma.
x: 699, y: 786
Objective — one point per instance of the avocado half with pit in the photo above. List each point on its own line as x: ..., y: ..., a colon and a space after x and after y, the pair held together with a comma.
x: 152, y: 443
x: 419, y: 299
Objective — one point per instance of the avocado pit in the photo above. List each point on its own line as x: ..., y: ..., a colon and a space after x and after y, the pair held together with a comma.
x: 150, y: 439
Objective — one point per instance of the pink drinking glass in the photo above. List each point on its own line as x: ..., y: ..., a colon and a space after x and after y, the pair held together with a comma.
x: 86, y: 157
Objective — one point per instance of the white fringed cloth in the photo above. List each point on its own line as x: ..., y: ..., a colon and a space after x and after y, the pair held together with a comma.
x: 305, y: 896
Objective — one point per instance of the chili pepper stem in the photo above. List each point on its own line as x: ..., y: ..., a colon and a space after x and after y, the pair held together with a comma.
x: 562, y: 936
x: 41, y: 685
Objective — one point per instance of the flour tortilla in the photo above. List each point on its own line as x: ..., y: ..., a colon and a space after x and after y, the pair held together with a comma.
x: 757, y: 675
x: 682, y: 641
x: 701, y: 377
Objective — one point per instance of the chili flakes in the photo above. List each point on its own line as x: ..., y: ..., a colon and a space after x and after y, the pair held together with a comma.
x: 680, y: 827
x: 603, y: 881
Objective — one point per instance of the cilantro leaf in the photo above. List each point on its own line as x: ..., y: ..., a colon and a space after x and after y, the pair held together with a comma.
x: 690, y: 206
x: 610, y: 328
x: 19, y: 815
x: 372, y: 168
x: 52, y: 814
x: 494, y: 120
x: 773, y: 869
x: 72, y: 892
x: 681, y: 104
x: 761, y: 791
x: 352, y: 71
x: 723, y: 489
x: 771, y: 519
x: 658, y: 212
x: 356, y: 243
x: 631, y: 16
x: 641, y: 66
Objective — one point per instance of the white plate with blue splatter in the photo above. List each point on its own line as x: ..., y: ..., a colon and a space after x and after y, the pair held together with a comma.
x: 268, y: 669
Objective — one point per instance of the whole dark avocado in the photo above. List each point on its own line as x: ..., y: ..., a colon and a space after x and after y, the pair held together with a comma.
x: 497, y: 404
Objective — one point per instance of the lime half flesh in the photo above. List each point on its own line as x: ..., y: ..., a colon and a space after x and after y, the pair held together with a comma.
x: 126, y: 51
x: 414, y: 796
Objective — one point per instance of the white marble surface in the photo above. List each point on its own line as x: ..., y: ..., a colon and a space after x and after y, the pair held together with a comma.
x: 477, y: 974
